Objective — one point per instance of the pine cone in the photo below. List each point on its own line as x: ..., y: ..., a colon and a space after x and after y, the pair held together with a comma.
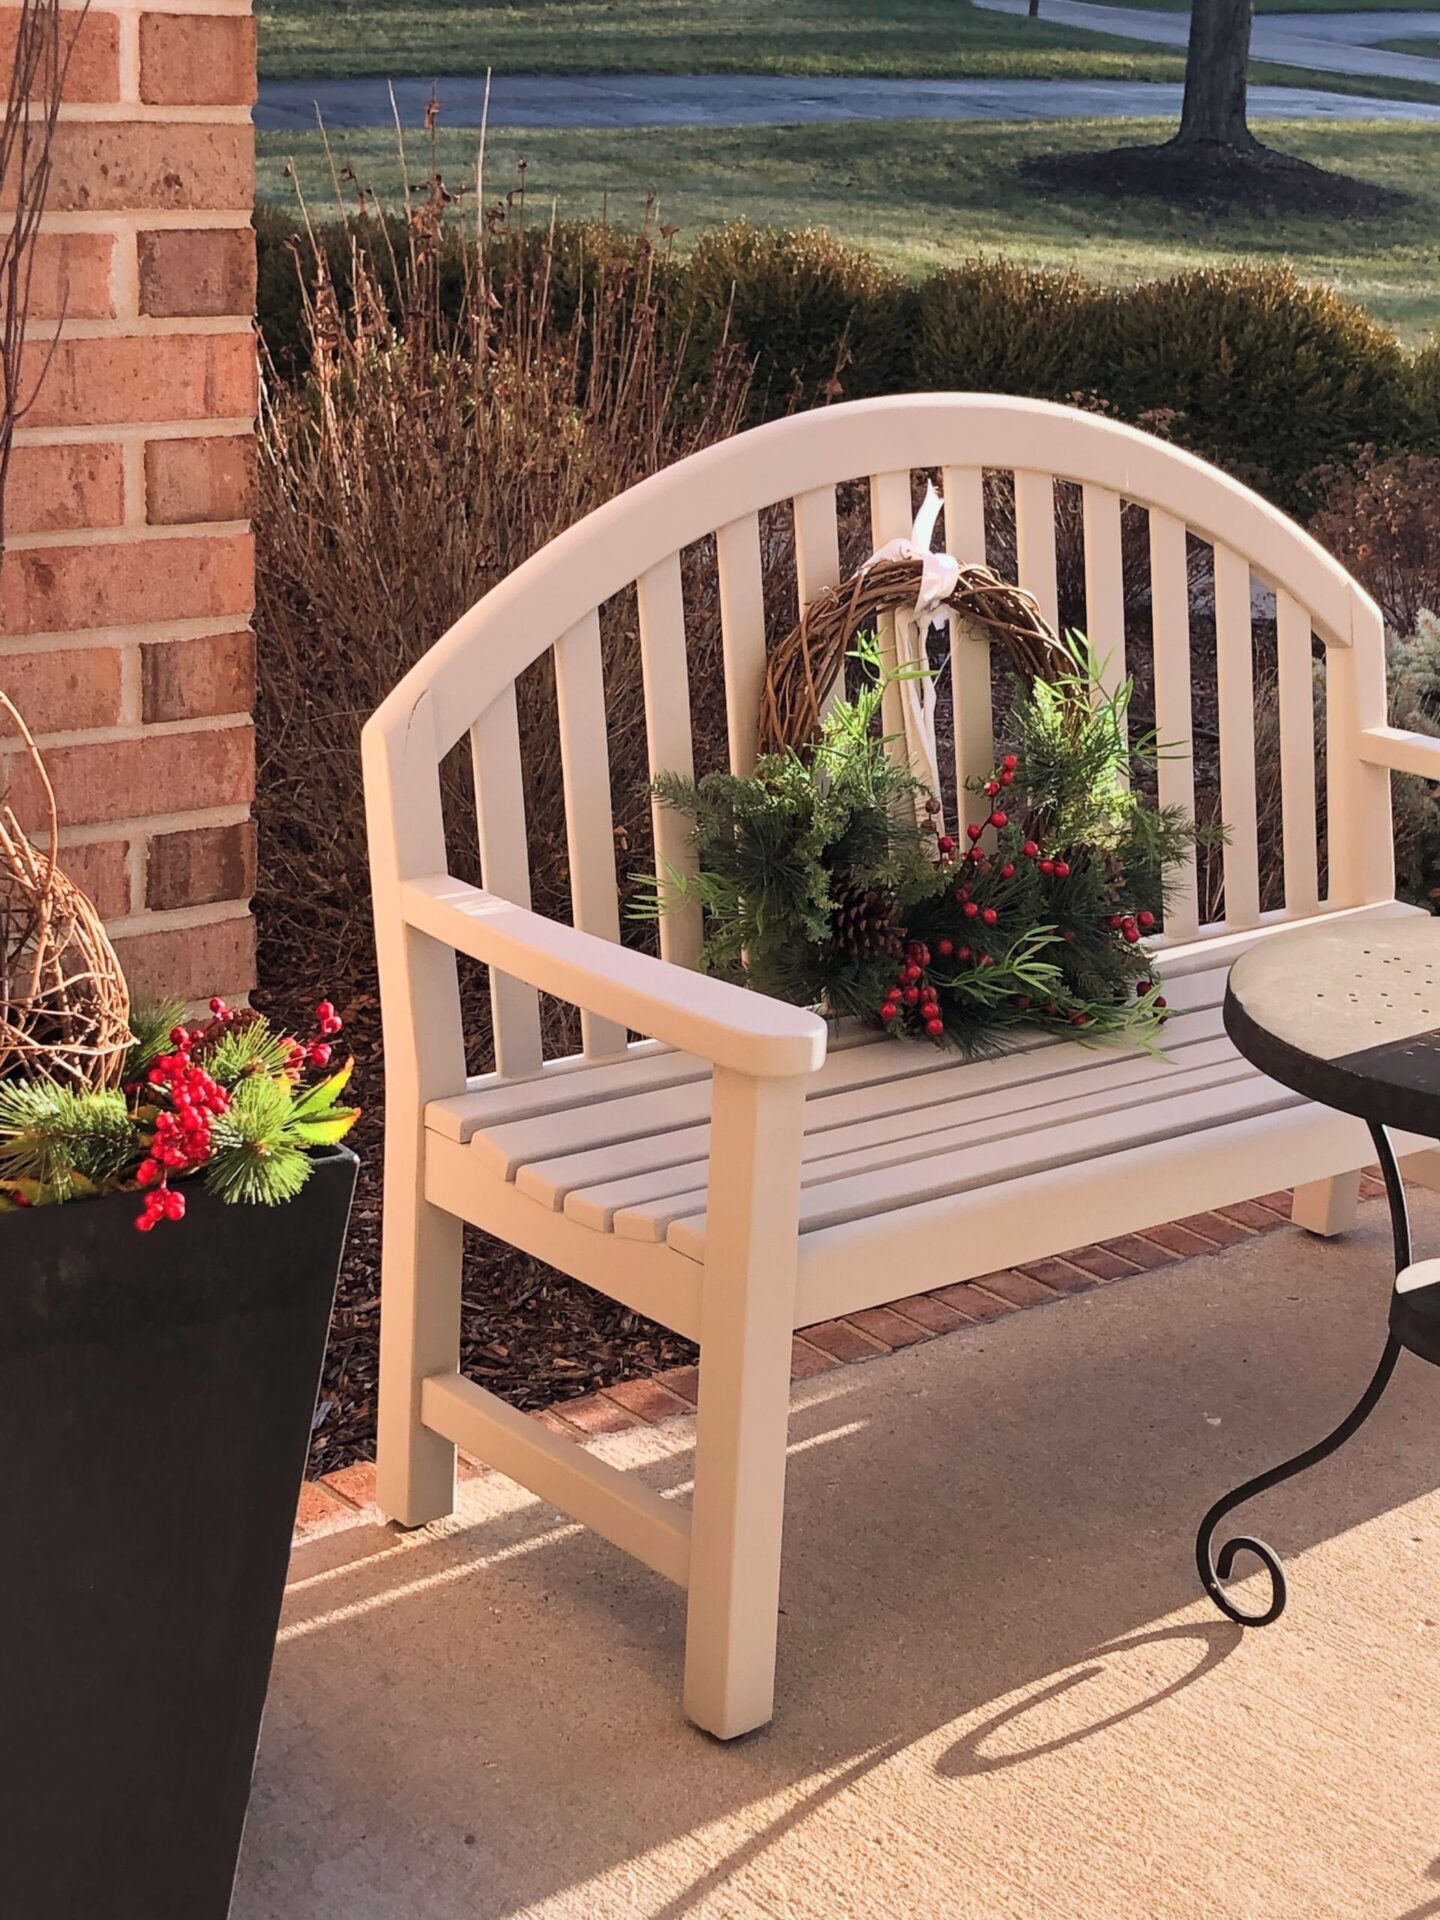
x: 204, y: 1040
x: 866, y: 921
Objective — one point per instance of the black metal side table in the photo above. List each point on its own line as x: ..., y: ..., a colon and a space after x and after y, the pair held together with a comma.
x: 1349, y: 1015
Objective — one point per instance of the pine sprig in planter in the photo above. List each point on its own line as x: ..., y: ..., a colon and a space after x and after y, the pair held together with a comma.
x: 225, y: 1100
x: 824, y: 879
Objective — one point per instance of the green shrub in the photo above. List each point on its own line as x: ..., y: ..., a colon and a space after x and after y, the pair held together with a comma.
x: 1414, y: 677
x: 1269, y: 376
x: 991, y: 326
x: 1425, y: 397
x: 1278, y: 381
x: 816, y: 318
x: 283, y: 263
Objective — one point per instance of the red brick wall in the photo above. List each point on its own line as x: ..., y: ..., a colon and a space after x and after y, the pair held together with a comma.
x: 126, y: 593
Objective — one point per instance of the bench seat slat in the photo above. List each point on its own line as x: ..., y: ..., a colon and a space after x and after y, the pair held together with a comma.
x: 905, y: 1134
x: 1032, y: 1151
x: 685, y: 1101
x: 577, y: 1082
x: 912, y: 1103
x: 565, y: 1083
x: 897, y: 1074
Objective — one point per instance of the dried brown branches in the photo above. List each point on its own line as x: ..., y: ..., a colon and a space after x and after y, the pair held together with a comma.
x: 43, y: 47
x: 468, y: 400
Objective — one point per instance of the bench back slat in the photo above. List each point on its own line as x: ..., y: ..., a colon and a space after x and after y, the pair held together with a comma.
x: 666, y: 675
x: 891, y: 518
x: 817, y: 551
x: 1295, y: 668
x: 972, y: 707
x: 1235, y: 685
x: 1170, y: 620
x: 589, y: 834
x: 741, y: 578
x: 1104, y: 585
x: 505, y: 869
x: 1035, y: 541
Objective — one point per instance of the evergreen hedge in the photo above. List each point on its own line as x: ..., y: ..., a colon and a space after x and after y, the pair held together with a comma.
x: 1269, y: 376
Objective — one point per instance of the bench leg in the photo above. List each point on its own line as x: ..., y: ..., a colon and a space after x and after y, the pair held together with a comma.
x: 747, y: 1316
x: 419, y: 1335
x: 1327, y: 1207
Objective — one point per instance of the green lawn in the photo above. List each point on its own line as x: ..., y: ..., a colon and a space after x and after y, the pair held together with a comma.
x: 1363, y: 86
x: 1428, y: 49
x: 903, y: 37
x: 922, y: 194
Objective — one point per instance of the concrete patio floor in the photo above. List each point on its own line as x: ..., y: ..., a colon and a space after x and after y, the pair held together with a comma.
x: 999, y: 1697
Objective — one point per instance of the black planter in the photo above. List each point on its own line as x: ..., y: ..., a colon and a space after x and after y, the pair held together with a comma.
x: 156, y: 1396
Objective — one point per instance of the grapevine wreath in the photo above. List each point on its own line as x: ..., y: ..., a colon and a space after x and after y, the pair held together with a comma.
x: 827, y: 877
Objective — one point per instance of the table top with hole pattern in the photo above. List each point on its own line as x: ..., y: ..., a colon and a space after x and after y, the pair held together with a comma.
x: 1348, y: 1015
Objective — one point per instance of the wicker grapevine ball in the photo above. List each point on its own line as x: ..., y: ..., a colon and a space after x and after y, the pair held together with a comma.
x: 64, y: 1004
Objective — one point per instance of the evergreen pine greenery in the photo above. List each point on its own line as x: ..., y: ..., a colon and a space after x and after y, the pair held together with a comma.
x: 255, y: 1159
x: 823, y: 879
x: 58, y: 1144
x: 777, y: 849
x: 150, y: 1030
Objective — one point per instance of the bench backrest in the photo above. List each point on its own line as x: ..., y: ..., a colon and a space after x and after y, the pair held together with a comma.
x: 467, y: 681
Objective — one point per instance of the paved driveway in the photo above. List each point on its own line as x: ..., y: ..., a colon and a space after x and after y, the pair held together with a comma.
x: 739, y: 99
x: 1319, y: 42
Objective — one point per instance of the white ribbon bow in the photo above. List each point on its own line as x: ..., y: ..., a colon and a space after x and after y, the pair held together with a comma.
x: 938, y: 575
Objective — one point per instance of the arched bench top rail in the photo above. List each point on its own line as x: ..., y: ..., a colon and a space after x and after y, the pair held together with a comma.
x: 605, y: 552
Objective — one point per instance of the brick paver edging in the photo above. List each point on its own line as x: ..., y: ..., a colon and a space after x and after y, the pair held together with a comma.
x: 348, y: 1496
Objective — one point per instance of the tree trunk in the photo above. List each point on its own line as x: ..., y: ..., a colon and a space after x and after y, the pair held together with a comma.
x: 1215, y: 76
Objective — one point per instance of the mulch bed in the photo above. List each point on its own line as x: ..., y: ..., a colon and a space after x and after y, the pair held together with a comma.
x: 1213, y: 180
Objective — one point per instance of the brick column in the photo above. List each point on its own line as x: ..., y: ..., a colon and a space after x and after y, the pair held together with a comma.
x: 127, y: 590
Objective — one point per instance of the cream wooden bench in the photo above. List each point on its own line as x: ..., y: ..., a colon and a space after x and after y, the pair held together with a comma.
x: 732, y: 1175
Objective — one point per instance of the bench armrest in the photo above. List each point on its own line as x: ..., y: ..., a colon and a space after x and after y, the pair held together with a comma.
x: 1401, y: 751
x: 727, y: 1025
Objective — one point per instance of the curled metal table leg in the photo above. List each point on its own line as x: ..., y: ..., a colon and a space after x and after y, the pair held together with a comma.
x: 1215, y: 1568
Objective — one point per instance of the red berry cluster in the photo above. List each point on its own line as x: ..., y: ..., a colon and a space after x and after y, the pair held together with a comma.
x: 1130, y: 926
x: 912, y: 994
x: 161, y: 1203
x: 181, y: 1137
x: 944, y: 845
x: 189, y: 1098
x: 975, y: 853
x: 316, y: 1053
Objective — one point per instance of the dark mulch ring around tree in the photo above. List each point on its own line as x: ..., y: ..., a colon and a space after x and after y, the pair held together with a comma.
x: 1214, y: 179
x: 528, y: 1333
